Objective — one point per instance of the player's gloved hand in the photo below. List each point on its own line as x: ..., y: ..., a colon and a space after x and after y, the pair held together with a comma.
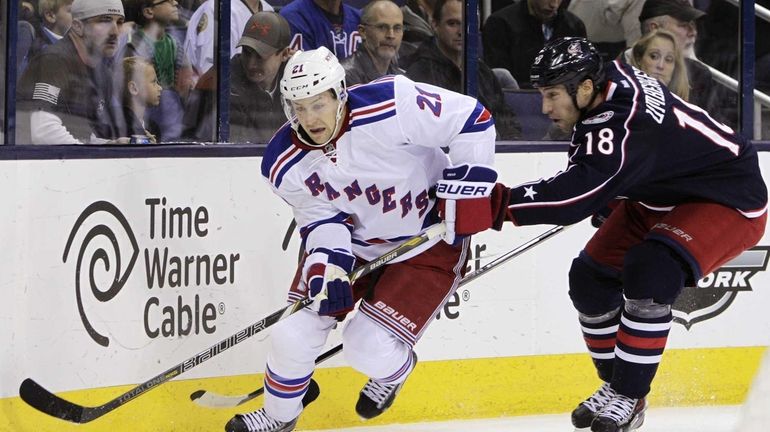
x: 501, y: 197
x: 598, y: 218
x: 325, y: 275
x: 464, y: 200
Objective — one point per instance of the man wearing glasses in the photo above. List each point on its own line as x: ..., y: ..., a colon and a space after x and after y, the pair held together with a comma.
x: 381, y: 29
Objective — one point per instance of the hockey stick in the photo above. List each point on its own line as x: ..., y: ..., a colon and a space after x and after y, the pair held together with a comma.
x: 213, y: 400
x: 44, y: 401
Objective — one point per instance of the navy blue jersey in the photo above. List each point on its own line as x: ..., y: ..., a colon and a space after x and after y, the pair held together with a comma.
x: 648, y: 145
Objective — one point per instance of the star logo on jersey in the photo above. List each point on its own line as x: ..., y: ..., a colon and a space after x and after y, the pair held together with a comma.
x: 715, y: 292
x: 529, y: 192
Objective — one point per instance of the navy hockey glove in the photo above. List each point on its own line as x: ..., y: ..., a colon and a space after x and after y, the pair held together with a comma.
x: 325, y: 274
x: 464, y: 200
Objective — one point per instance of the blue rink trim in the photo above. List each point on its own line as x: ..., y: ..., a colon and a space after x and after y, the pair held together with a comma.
x: 210, y: 150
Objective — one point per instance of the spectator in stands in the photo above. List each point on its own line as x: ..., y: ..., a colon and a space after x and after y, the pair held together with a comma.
x: 678, y: 17
x: 151, y: 40
x: 55, y: 18
x: 140, y: 90
x: 513, y: 35
x: 439, y: 62
x: 199, y: 42
x: 49, y: 26
x: 67, y: 91
x: 255, y: 100
x: 381, y: 29
x: 329, y: 23
x: 658, y: 55
x: 417, y: 28
x: 612, y: 25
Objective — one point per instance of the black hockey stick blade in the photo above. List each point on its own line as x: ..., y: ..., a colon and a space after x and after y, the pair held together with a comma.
x: 44, y: 401
x: 213, y: 400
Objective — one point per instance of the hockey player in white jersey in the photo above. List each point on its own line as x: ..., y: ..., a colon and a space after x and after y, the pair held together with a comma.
x: 359, y: 168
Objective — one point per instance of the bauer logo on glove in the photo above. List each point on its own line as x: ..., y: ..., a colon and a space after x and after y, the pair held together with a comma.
x: 464, y: 200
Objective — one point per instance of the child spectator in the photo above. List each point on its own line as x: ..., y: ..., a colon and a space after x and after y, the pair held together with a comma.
x: 52, y: 21
x: 152, y: 41
x: 140, y: 90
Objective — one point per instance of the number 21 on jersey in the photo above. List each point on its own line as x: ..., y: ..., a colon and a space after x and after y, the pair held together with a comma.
x: 429, y: 100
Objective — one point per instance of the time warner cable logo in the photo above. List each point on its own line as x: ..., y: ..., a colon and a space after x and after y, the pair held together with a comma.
x: 106, y: 255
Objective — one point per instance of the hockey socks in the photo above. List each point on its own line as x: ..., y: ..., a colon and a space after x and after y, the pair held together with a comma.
x: 599, y: 333
x: 640, y: 345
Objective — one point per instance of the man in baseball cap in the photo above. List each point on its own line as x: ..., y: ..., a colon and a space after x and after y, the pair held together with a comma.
x: 266, y: 33
x: 67, y: 90
x: 679, y: 9
x: 255, y: 102
x: 84, y: 9
x: 91, y: 26
x: 676, y: 16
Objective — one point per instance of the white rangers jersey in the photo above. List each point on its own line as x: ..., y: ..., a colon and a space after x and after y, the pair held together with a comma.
x: 374, y: 190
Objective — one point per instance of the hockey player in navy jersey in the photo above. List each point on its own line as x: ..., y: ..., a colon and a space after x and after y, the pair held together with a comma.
x: 692, y: 198
x: 357, y: 167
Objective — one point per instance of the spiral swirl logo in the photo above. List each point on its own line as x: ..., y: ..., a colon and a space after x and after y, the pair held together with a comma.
x: 100, y: 252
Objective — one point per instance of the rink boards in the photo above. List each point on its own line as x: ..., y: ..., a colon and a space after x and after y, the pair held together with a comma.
x: 199, y: 248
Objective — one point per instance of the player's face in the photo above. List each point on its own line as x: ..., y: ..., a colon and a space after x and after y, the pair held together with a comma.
x: 685, y: 31
x: 544, y: 10
x: 382, y: 36
x: 317, y: 115
x: 449, y: 31
x: 100, y: 34
x: 658, y: 59
x: 558, y: 106
x: 262, y: 70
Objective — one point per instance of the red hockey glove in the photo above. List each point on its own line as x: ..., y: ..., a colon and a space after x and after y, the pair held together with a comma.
x: 501, y: 197
x: 325, y: 274
x: 464, y: 200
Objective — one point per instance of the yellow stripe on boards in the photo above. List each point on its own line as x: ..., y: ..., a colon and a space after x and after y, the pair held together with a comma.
x: 440, y: 390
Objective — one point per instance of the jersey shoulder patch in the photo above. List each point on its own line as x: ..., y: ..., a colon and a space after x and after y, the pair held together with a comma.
x: 599, y: 118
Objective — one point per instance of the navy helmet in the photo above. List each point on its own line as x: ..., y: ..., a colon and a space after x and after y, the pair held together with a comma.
x: 568, y: 61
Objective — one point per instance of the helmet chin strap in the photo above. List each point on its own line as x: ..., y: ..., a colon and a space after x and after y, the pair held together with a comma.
x: 588, y: 105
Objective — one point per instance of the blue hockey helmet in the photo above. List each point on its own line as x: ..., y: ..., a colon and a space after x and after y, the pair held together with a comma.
x: 568, y: 61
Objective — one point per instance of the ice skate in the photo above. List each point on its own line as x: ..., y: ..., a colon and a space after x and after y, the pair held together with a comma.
x: 621, y: 414
x: 376, y: 398
x: 260, y: 421
x: 584, y: 414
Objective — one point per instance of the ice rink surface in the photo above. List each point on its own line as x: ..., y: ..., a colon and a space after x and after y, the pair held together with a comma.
x: 699, y: 419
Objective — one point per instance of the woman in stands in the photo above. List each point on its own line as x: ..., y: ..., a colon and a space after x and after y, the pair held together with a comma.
x: 658, y: 54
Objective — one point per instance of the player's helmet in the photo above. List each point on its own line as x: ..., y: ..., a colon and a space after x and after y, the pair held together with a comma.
x: 310, y: 73
x: 568, y: 61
